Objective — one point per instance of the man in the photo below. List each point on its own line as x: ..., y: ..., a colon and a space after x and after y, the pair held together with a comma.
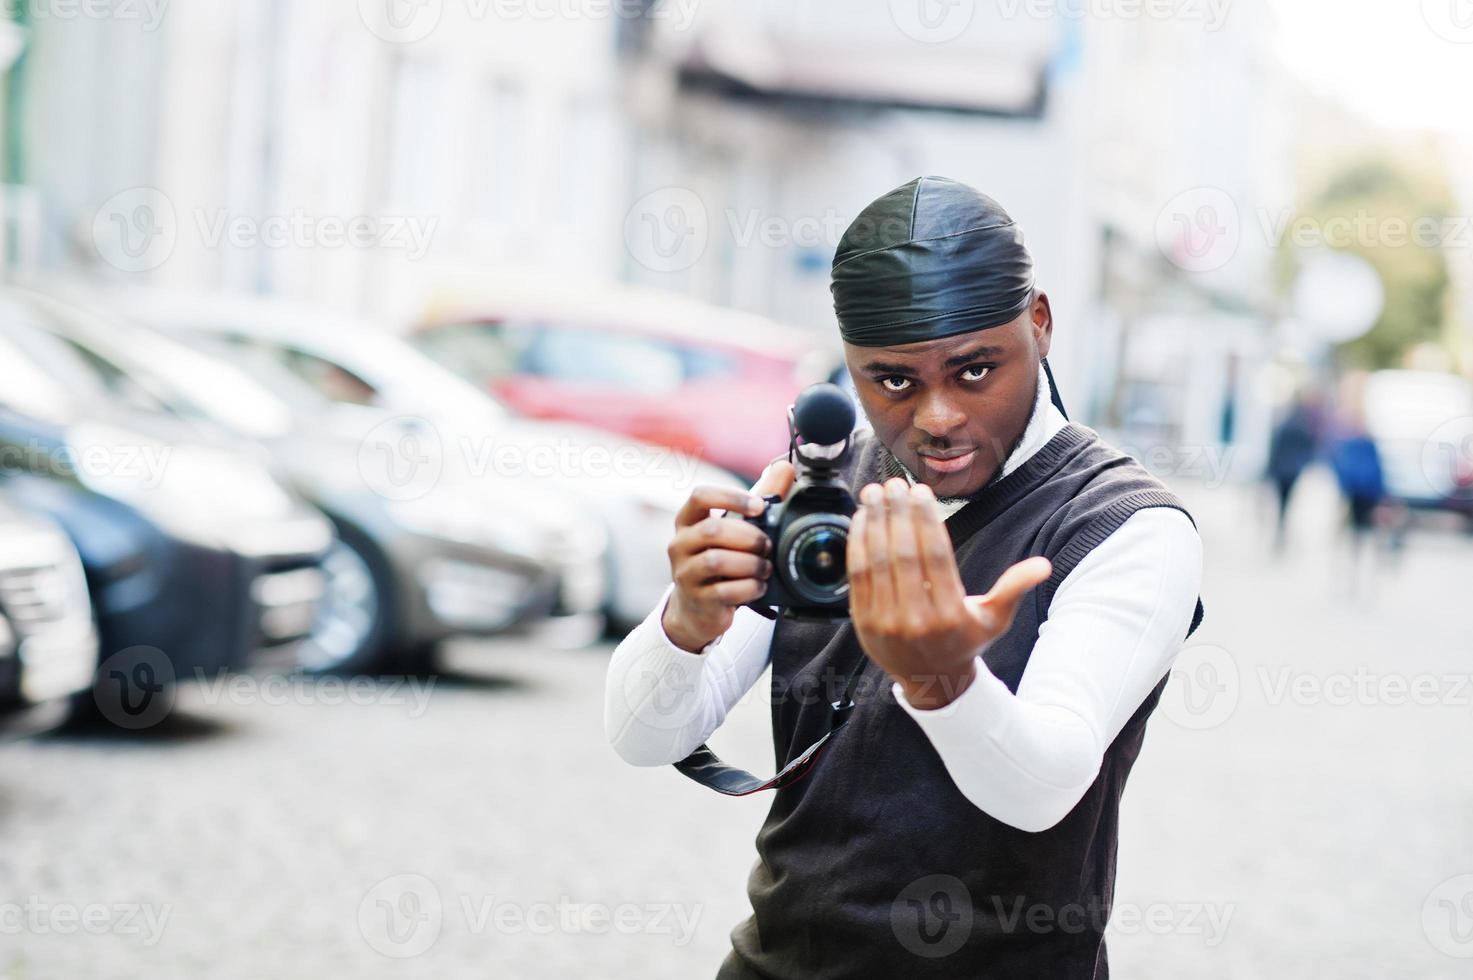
x: 1018, y: 591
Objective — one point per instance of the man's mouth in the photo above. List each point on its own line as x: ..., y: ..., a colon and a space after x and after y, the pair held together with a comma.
x: 952, y: 461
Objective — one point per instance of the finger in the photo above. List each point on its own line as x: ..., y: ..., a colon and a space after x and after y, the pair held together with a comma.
x: 703, y: 500
x: 857, y: 565
x: 905, y: 559
x: 997, y: 608
x: 715, y: 564
x: 718, y: 532
x: 730, y: 592
x: 938, y: 559
x: 777, y: 479
x: 877, y: 550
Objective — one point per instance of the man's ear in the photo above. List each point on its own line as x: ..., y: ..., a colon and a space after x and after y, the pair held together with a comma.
x: 1043, y: 323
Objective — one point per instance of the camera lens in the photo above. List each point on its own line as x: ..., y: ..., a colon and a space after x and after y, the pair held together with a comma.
x: 813, y: 551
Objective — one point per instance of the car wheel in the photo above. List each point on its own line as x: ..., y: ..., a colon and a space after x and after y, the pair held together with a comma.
x: 350, y: 635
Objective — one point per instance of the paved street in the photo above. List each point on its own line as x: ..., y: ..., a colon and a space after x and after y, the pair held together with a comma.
x: 1302, y: 808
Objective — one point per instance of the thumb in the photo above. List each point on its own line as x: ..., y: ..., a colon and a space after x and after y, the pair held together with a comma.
x: 996, y: 609
x: 777, y: 479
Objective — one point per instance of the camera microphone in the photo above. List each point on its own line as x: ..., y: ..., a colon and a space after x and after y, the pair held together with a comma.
x: 823, y: 415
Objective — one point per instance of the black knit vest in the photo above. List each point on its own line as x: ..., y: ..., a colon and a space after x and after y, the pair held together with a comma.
x: 875, y: 865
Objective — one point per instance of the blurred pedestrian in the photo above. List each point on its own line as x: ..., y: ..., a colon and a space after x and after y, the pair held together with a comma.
x: 1357, y: 466
x: 1358, y: 470
x: 1293, y: 446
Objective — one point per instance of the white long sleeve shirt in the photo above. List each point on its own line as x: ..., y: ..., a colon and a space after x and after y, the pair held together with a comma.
x: 1115, y: 624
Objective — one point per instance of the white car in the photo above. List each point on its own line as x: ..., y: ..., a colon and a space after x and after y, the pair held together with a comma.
x: 1422, y: 424
x: 635, y: 488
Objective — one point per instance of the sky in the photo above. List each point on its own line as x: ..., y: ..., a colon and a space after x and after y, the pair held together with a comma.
x: 1402, y: 63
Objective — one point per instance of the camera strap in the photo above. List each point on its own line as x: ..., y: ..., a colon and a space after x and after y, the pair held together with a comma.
x: 706, y: 768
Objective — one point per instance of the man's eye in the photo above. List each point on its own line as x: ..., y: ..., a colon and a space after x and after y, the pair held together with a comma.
x: 895, y: 383
x: 975, y: 372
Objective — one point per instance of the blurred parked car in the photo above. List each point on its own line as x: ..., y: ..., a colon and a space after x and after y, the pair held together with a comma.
x: 48, y: 644
x: 634, y: 489
x: 464, y: 557
x: 711, y: 382
x: 190, y: 549
x: 1422, y: 425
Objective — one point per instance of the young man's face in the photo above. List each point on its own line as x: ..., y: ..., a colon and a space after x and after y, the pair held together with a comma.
x: 952, y: 409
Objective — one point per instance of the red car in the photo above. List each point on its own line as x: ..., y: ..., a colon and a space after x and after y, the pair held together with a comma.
x: 710, y: 382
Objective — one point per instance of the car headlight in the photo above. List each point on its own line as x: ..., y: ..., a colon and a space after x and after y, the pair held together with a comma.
x: 579, y: 550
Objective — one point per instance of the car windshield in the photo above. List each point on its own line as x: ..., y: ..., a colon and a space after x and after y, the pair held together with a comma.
x: 215, y: 389
x: 485, y: 352
x: 151, y: 372
x: 407, y: 377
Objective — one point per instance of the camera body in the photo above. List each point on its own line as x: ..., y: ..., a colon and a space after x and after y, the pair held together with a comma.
x: 810, y: 529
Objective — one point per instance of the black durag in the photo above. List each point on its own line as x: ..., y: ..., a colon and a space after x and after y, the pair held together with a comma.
x: 932, y: 258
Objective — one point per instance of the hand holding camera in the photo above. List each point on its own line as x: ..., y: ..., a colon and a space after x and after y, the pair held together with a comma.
x: 717, y: 564
x: 787, y: 551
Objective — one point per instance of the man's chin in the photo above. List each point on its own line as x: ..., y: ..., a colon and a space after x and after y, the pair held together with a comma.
x: 951, y: 487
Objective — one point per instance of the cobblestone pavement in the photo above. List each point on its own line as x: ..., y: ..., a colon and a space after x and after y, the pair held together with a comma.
x: 1300, y: 809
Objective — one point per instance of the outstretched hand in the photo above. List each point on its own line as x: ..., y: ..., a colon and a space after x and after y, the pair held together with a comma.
x: 906, y: 599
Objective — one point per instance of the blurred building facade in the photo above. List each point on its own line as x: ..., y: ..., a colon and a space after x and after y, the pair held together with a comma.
x: 477, y: 144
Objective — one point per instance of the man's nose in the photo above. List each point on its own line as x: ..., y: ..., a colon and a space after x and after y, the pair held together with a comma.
x: 938, y: 417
